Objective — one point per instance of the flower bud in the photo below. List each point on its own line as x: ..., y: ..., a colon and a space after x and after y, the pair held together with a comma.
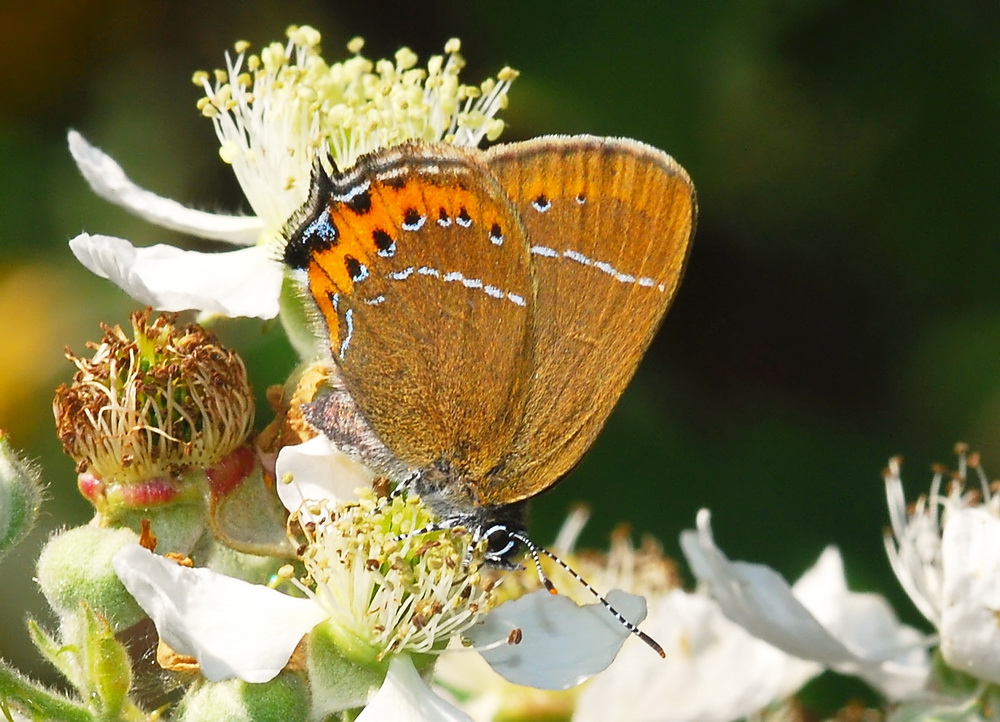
x: 20, y: 496
x: 75, y: 566
x: 283, y: 698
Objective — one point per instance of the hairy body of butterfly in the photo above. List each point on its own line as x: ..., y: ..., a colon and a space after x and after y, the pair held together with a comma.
x: 484, y: 310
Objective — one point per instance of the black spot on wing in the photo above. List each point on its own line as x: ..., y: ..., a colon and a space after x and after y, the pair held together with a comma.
x: 355, y: 268
x: 384, y: 243
x: 361, y: 203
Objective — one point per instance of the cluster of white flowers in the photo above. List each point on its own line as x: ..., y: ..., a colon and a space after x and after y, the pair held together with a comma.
x: 743, y: 641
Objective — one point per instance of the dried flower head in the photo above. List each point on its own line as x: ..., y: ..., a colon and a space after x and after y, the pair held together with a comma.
x: 155, y: 405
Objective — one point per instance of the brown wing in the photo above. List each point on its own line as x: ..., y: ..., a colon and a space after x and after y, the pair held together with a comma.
x: 608, y: 223
x: 429, y: 316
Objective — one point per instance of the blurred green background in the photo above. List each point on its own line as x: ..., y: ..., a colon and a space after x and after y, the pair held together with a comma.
x: 842, y: 303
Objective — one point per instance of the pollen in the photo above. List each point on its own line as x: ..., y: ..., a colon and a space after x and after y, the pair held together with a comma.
x: 384, y: 578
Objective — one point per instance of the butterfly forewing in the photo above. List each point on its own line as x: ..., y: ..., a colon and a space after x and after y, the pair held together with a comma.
x: 429, y: 317
x: 608, y: 224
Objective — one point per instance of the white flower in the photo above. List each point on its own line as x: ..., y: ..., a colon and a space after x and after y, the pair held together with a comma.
x: 391, y: 599
x: 818, y: 619
x: 970, y: 635
x: 273, y: 114
x: 196, y: 611
x: 714, y: 670
x: 562, y: 643
x: 945, y: 551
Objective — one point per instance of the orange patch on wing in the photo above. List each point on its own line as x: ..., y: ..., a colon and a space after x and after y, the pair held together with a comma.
x: 329, y: 272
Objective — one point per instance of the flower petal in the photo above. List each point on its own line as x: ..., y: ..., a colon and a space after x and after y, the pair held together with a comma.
x: 466, y: 679
x: 714, y: 671
x: 233, y: 628
x: 562, y: 643
x: 404, y: 697
x: 234, y: 283
x: 108, y: 180
x: 317, y: 470
x: 758, y: 599
x: 891, y: 656
x: 970, y: 635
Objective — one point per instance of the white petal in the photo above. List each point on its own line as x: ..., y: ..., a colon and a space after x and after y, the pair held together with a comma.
x: 758, y: 599
x: 404, y: 697
x: 234, y: 283
x: 562, y: 643
x: 715, y: 671
x: 108, y: 180
x: 317, y: 470
x: 970, y: 634
x: 233, y: 628
x: 890, y: 656
x: 465, y: 678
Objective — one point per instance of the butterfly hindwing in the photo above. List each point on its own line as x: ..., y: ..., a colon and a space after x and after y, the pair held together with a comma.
x: 608, y: 224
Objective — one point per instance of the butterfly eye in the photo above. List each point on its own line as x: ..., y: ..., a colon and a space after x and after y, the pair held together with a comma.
x: 500, y: 546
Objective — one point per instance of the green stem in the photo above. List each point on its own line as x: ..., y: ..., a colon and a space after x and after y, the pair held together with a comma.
x: 35, y: 700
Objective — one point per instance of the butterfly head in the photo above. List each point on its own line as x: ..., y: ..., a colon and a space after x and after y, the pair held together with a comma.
x: 503, y: 527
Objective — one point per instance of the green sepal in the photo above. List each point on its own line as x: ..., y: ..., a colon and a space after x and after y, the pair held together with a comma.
x: 295, y: 318
x: 953, y: 696
x: 106, y: 664
x: 343, y: 670
x: 55, y: 653
x: 249, y: 517
x: 94, y: 662
x: 33, y: 701
x: 950, y: 681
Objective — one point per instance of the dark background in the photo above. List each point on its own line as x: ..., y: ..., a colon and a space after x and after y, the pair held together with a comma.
x: 840, y: 305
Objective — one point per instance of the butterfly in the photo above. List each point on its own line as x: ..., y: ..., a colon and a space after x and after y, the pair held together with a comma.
x: 483, y: 310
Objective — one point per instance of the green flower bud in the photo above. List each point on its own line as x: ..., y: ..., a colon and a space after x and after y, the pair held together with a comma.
x: 283, y: 698
x: 75, y: 566
x: 20, y: 496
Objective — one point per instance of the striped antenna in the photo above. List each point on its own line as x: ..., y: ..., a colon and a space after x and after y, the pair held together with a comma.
x: 535, y: 550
